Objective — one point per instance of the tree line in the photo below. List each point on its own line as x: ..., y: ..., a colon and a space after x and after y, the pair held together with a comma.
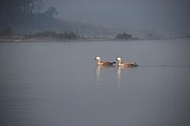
x: 11, y: 11
x: 24, y: 17
x: 21, y: 14
x: 52, y: 34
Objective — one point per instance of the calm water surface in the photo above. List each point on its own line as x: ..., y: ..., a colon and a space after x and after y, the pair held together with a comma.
x: 59, y: 84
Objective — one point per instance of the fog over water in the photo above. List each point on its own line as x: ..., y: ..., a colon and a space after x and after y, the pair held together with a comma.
x: 153, y: 15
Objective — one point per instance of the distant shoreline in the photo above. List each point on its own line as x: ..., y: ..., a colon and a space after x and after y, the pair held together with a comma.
x: 33, y: 39
x: 22, y: 39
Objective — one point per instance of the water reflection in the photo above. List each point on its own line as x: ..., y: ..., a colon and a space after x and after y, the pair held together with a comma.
x: 119, y: 70
x: 99, y: 72
x: 103, y: 72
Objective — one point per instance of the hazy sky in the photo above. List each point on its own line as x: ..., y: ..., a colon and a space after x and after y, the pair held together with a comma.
x: 161, y: 15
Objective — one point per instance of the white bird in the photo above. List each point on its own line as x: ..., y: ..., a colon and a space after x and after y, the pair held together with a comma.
x: 128, y: 64
x: 107, y: 63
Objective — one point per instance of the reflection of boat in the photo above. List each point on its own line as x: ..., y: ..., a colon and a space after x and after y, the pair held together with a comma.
x: 101, y: 63
x: 129, y: 64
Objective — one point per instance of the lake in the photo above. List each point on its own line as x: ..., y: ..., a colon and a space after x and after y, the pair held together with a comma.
x: 59, y: 84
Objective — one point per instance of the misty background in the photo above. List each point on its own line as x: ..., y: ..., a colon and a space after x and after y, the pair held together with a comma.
x: 97, y: 17
x: 52, y: 80
x: 156, y: 15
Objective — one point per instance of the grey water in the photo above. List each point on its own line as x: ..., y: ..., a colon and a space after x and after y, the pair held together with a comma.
x: 60, y: 84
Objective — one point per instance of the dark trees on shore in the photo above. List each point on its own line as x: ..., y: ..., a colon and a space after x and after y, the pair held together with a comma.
x: 124, y: 36
x: 65, y: 35
x: 14, y: 11
x: 25, y: 15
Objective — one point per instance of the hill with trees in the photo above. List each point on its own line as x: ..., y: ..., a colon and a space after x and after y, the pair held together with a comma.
x: 26, y: 17
x: 125, y: 36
